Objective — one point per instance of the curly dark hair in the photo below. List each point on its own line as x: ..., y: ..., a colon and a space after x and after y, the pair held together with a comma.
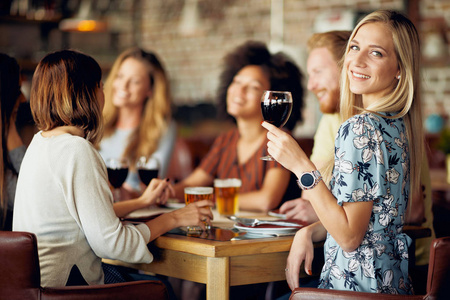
x: 283, y: 73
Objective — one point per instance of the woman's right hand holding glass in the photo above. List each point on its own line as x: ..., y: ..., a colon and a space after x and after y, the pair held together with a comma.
x: 285, y: 150
x: 302, y: 249
x: 194, y: 214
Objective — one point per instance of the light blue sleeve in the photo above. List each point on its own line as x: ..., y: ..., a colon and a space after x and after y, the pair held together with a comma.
x: 165, y: 148
x: 360, y: 160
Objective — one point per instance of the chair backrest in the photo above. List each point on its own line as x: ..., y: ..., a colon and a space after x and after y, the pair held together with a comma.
x: 181, y: 161
x: 19, y: 266
x: 135, y: 290
x: 20, y: 277
x: 438, y: 283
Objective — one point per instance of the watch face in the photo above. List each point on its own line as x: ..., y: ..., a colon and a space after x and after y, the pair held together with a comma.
x: 307, y: 180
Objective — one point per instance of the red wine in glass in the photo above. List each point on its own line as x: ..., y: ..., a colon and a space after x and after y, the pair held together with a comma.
x: 147, y: 169
x: 276, y: 107
x: 146, y: 175
x: 117, y: 174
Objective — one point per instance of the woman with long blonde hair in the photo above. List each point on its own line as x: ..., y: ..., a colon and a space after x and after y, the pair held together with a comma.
x: 376, y: 164
x: 137, y: 113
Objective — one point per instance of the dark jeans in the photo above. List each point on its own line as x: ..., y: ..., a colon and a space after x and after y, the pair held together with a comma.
x: 117, y: 274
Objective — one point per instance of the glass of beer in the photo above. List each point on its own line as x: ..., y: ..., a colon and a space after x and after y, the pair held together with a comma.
x: 227, y: 194
x: 194, y: 194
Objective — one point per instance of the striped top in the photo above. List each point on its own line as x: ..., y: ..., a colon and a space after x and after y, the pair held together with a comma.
x: 222, y: 162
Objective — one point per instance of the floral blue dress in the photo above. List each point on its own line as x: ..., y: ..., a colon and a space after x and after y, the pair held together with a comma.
x: 371, y: 164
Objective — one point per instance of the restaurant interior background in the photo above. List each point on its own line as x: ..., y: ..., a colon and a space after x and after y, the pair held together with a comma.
x: 192, y: 36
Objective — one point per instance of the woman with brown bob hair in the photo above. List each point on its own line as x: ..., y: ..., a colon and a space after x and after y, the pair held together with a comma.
x: 63, y: 196
x: 71, y: 102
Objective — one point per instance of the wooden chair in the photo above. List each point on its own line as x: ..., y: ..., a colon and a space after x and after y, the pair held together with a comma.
x: 438, y: 283
x: 20, y: 276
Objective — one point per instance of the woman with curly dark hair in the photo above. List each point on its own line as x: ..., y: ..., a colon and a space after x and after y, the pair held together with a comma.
x: 248, y: 71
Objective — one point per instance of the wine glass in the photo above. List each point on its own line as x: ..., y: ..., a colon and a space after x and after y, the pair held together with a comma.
x: 276, y: 107
x: 117, y: 173
x: 147, y: 169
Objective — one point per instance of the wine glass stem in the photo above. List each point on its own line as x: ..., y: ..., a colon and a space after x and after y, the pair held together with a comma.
x: 116, y: 194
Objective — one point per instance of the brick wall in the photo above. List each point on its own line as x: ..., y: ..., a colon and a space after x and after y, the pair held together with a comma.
x: 192, y: 42
x: 193, y: 58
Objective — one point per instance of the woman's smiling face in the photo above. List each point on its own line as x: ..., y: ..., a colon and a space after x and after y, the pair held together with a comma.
x: 371, y: 62
x: 131, y: 87
x: 245, y: 91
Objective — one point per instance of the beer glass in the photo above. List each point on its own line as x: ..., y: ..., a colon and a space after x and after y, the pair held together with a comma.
x: 194, y: 194
x: 227, y: 194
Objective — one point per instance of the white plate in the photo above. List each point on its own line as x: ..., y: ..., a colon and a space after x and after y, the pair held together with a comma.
x: 175, y: 205
x: 265, y: 230
x: 276, y: 213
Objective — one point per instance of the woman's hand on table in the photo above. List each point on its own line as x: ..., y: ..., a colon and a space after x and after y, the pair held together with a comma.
x: 299, y: 209
x: 157, y: 192
x: 194, y: 214
x: 302, y: 249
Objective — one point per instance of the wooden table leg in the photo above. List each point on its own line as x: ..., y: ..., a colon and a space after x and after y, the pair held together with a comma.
x: 218, y: 278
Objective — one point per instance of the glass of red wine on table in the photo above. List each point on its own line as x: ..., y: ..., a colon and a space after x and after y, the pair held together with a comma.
x: 147, y: 168
x: 276, y: 107
x: 117, y: 174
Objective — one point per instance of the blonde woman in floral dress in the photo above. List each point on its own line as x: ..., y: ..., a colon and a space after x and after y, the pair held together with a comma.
x: 376, y: 164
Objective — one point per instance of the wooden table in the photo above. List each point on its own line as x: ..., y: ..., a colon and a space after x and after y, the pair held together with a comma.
x: 219, y: 264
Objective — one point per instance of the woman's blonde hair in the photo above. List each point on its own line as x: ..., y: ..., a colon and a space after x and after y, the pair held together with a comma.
x: 63, y: 93
x: 157, y: 111
x: 404, y: 100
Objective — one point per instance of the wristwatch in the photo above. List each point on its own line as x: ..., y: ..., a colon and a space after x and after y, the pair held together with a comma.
x: 308, y: 180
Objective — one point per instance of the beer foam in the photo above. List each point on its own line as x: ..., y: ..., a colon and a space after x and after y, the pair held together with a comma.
x: 229, y: 182
x: 199, y: 190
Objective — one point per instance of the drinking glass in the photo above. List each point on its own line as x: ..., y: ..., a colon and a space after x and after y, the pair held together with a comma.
x: 276, y: 107
x: 194, y: 194
x: 117, y: 173
x: 227, y: 194
x: 147, y: 169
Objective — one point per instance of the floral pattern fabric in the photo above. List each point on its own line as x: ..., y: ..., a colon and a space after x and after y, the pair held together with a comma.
x: 371, y: 164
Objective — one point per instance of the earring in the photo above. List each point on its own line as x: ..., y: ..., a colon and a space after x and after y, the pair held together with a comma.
x: 398, y: 77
